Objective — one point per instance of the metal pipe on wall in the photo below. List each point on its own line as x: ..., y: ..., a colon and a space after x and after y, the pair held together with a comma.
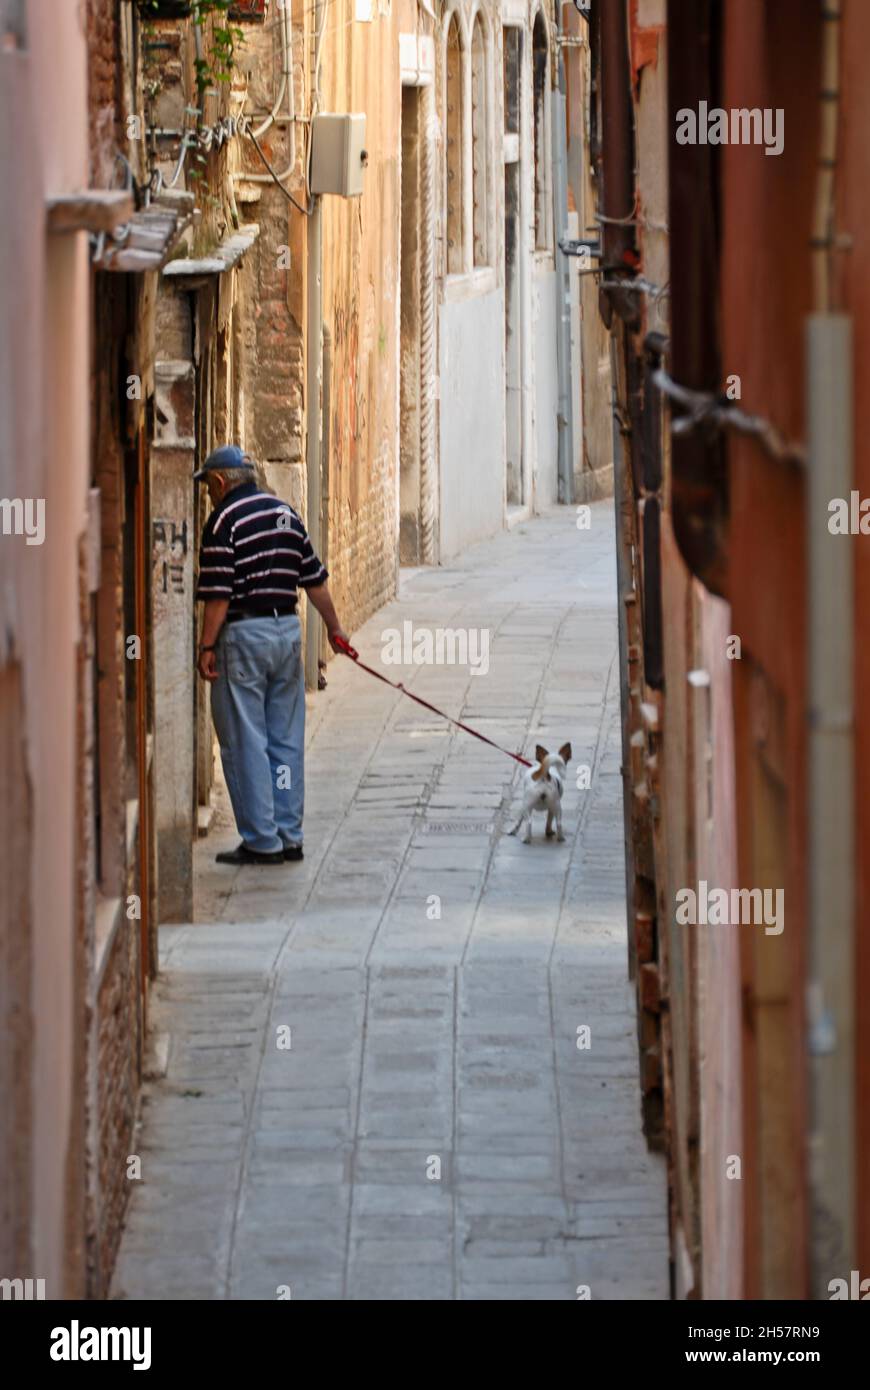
x: 565, y: 408
x: 313, y: 383
x: 314, y: 370
x: 326, y: 397
x: 428, y: 335
x: 830, y: 805
x: 831, y: 731
x: 618, y: 199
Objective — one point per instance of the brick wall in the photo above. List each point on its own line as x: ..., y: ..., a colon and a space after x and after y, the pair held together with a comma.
x: 361, y: 240
x: 15, y: 968
x: 104, y: 94
x: 275, y: 425
x: 362, y: 548
x: 116, y: 1020
x: 359, y: 258
x: 118, y: 1080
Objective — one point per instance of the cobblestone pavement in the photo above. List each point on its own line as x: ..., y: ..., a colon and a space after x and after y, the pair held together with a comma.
x: 433, y: 973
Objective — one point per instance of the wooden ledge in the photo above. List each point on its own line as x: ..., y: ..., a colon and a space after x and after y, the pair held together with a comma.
x: 94, y: 210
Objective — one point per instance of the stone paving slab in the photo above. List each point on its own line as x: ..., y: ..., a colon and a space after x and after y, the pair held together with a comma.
x: 433, y: 1131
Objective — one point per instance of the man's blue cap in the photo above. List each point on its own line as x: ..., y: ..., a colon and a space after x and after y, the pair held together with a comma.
x: 227, y: 456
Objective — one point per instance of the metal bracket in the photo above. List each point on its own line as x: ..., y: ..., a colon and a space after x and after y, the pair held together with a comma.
x: 587, y: 248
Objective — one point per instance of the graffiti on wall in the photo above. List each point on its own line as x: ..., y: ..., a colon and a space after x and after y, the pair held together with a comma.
x: 169, y: 542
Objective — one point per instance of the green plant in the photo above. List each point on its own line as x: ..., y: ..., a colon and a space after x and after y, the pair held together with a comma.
x: 197, y: 169
x: 216, y: 62
x: 217, y: 65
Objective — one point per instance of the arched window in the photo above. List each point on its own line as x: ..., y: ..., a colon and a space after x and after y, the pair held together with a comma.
x: 454, y: 142
x: 480, y: 164
x: 540, y: 93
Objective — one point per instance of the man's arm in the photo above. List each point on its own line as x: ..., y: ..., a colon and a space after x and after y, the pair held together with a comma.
x: 214, y: 615
x: 322, y: 599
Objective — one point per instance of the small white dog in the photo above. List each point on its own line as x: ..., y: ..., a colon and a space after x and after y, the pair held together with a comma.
x: 542, y: 791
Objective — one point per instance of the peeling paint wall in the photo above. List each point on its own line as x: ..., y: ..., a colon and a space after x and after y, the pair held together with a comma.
x: 361, y: 272
x: 472, y: 420
x: 593, y: 468
x: 227, y: 370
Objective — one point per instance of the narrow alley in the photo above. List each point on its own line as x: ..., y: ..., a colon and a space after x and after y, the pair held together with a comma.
x: 439, y: 1126
x: 518, y: 345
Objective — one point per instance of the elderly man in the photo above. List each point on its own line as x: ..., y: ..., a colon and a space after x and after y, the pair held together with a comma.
x: 255, y: 555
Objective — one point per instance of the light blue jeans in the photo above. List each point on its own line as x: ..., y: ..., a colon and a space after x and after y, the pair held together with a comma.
x: 258, y: 707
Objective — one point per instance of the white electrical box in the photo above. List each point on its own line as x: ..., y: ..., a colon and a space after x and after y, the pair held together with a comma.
x: 338, y: 154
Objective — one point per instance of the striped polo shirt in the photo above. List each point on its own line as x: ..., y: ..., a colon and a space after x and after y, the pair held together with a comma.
x: 255, y: 552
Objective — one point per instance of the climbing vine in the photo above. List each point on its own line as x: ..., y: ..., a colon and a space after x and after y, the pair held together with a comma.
x: 216, y: 62
x: 217, y: 65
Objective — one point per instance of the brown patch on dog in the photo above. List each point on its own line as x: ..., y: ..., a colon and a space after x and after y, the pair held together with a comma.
x: 540, y: 753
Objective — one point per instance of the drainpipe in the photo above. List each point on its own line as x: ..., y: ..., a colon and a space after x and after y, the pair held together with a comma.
x: 324, y: 455
x: 313, y: 379
x: 830, y: 805
x: 559, y: 108
x: 314, y: 367
x: 617, y: 234
x: 830, y: 802
x: 428, y: 366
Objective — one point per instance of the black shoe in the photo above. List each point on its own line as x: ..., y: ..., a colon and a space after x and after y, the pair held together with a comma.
x: 293, y: 852
x: 242, y: 855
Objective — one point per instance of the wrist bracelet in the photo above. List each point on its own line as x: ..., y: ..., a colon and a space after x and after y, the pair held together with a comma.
x: 203, y: 648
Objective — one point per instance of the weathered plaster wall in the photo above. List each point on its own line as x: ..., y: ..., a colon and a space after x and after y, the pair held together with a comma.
x: 360, y: 72
x: 104, y: 90
x: 228, y: 370
x: 472, y: 420
x: 44, y: 292
x: 593, y: 472
x: 273, y: 274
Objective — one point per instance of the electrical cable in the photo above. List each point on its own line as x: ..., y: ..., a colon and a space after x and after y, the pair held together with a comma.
x: 185, y: 146
x: 291, y: 118
x: 630, y: 221
x: 287, y: 194
x: 286, y: 71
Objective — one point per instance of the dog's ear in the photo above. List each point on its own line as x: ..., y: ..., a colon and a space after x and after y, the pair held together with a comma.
x: 540, y: 753
x: 565, y: 752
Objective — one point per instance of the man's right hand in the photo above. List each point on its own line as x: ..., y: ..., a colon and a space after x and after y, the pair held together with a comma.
x: 207, y: 666
x: 340, y: 642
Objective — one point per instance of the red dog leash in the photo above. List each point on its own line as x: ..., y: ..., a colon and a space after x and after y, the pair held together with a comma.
x: 397, y: 685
